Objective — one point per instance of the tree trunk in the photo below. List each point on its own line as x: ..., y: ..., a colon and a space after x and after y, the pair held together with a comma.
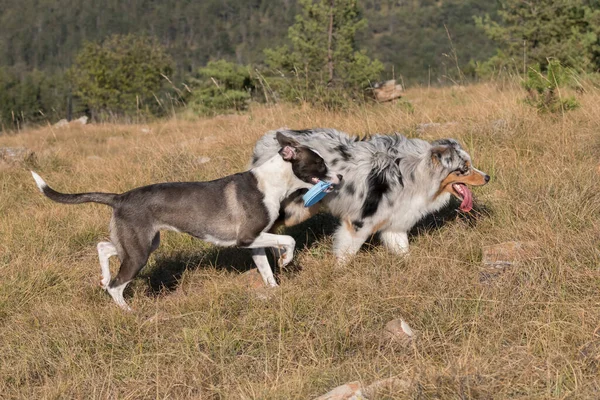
x: 329, y: 44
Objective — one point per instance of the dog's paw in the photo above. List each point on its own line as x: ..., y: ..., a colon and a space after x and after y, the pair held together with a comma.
x: 104, y: 283
x: 286, y: 258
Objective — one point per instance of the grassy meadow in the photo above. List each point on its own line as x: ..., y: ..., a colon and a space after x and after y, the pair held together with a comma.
x: 531, y: 331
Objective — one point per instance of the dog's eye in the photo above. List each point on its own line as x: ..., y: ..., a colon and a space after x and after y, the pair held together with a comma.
x: 462, y: 170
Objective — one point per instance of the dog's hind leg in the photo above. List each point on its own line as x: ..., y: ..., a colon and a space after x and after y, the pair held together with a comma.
x: 396, y: 242
x: 116, y: 293
x: 130, y: 266
x: 262, y: 263
x: 105, y: 251
x: 137, y: 246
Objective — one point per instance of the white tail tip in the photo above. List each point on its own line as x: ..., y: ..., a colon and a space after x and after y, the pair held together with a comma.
x: 39, y: 181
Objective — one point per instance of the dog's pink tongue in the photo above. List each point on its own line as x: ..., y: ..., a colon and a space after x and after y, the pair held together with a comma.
x: 467, y: 203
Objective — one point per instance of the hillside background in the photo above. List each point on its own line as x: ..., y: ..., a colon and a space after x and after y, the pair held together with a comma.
x: 409, y: 37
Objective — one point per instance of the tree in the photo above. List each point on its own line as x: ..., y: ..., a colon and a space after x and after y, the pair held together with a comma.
x: 30, y: 97
x: 221, y: 86
x: 538, y: 30
x: 122, y: 76
x: 323, y: 57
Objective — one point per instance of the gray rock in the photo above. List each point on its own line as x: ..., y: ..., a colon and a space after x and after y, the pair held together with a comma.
x: 201, y: 160
x: 355, y: 391
x: 389, y: 386
x: 343, y: 392
x: 16, y: 155
x: 397, y: 331
x: 82, y: 120
x: 503, y: 255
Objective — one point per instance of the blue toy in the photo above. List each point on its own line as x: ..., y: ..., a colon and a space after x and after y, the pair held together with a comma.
x: 316, y: 193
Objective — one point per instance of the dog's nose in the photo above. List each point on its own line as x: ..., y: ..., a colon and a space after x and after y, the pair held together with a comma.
x: 340, y: 176
x: 487, y: 178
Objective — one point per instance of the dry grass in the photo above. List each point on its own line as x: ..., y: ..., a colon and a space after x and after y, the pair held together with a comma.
x: 198, y: 332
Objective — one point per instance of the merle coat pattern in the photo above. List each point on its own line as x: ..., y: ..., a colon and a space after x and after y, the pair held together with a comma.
x: 390, y: 183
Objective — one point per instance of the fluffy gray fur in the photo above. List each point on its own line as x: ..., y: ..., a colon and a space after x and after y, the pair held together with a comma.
x: 390, y: 182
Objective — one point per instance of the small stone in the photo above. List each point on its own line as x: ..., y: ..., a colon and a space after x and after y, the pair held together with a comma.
x: 503, y: 255
x: 61, y: 123
x: 201, y: 160
x: 398, y: 331
x: 82, y: 120
x: 16, y: 155
x: 252, y: 279
x: 343, y: 392
x: 497, y: 258
x: 146, y: 130
x: 387, y: 91
x: 385, y: 386
x: 355, y: 391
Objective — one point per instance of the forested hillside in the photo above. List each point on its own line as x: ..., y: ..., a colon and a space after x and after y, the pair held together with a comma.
x: 409, y: 37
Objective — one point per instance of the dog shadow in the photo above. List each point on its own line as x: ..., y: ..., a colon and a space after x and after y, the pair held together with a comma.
x: 450, y: 213
x: 169, y: 268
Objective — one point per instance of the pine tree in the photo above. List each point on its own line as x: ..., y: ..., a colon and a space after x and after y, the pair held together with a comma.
x: 535, y: 31
x: 323, y: 58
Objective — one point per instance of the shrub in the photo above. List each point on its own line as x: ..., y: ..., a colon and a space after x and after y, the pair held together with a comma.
x: 31, y: 97
x: 323, y: 64
x: 123, y: 76
x: 221, y: 86
x: 543, y: 89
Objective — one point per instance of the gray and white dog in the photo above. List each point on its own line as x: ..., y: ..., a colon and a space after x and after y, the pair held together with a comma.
x: 390, y: 183
x: 236, y: 210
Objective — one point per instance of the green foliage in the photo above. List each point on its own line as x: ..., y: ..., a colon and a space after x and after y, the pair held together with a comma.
x: 498, y: 65
x: 221, y: 86
x: 412, y: 37
x: 122, y: 76
x: 531, y: 32
x: 409, y: 37
x: 193, y: 32
x: 31, y: 97
x: 543, y: 89
x: 323, y: 64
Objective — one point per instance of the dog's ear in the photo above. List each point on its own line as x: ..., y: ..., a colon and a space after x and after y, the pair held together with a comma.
x: 446, y: 142
x: 441, y: 155
x: 286, y: 140
x: 288, y: 146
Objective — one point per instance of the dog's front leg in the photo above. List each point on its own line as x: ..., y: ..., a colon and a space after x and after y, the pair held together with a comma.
x: 262, y: 263
x: 260, y: 259
x: 396, y: 242
x: 348, y: 240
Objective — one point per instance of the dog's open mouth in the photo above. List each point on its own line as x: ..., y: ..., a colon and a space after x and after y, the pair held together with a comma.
x: 463, y: 193
x: 329, y: 189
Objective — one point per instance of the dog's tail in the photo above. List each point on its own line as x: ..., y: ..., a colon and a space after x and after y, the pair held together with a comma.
x: 77, y: 198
